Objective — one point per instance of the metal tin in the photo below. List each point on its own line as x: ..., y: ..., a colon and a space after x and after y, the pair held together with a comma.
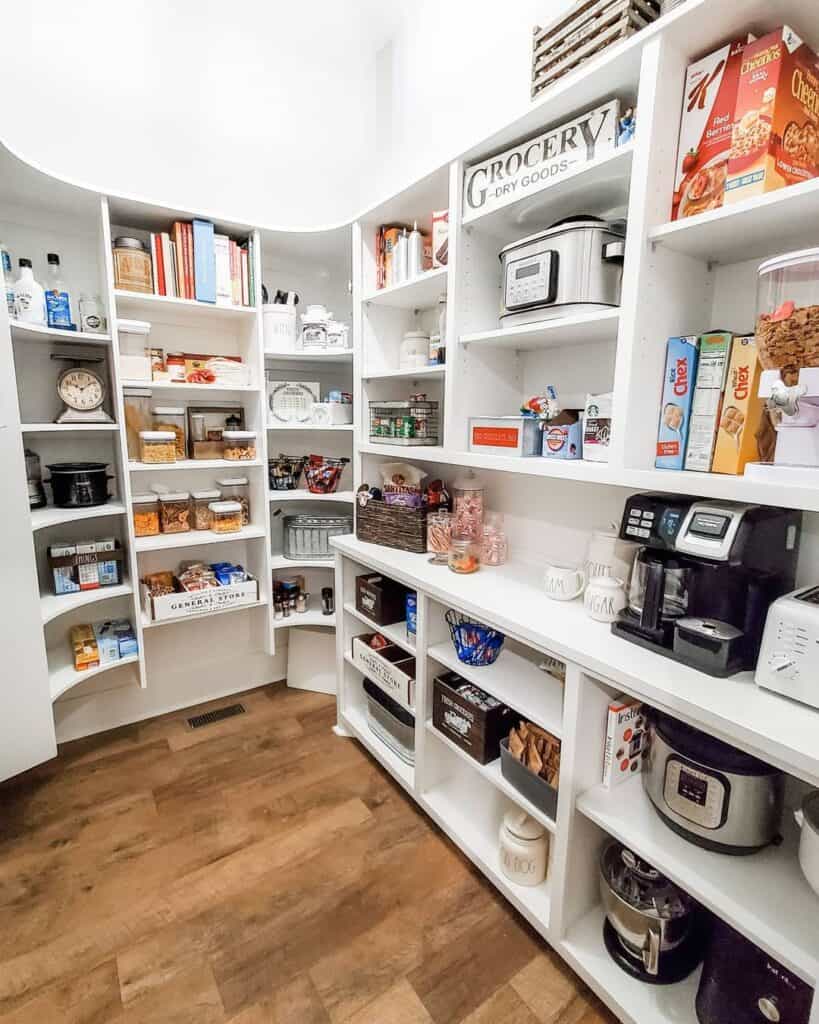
x: 505, y: 435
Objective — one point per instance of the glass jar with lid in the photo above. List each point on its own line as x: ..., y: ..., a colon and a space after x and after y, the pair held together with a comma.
x: 201, y: 502
x: 467, y: 506
x: 145, y: 514
x: 175, y: 512
x: 157, y: 446
x: 494, y: 546
x: 172, y: 417
x: 226, y: 516
x: 240, y: 445
x: 464, y: 555
x: 439, y: 535
x: 132, y: 265
x: 237, y: 488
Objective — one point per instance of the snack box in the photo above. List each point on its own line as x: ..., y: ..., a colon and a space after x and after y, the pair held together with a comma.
x: 107, y: 643
x: 108, y: 571
x: 597, y: 417
x: 776, y: 120
x: 705, y: 408
x: 704, y: 144
x: 505, y: 435
x: 126, y: 637
x: 84, y: 647
x: 563, y: 436
x: 65, y: 576
x: 681, y: 356
x: 626, y: 747
x: 742, y: 410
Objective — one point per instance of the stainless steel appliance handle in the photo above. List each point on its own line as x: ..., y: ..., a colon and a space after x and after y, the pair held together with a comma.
x: 614, y: 252
x: 651, y: 952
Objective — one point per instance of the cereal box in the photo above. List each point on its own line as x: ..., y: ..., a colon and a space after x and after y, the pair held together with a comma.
x: 705, y: 408
x: 675, y: 407
x: 705, y: 130
x: 776, y: 122
x: 743, y: 410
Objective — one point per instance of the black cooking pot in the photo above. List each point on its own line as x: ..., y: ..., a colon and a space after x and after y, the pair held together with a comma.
x: 79, y: 484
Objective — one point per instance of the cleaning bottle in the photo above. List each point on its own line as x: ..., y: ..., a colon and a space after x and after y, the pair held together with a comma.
x: 57, y: 299
x: 415, y: 255
x: 5, y: 278
x: 29, y: 296
x: 399, y: 259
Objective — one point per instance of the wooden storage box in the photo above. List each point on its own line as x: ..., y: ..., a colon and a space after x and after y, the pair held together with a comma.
x: 381, y: 599
x: 394, y: 526
x: 184, y: 604
x: 390, y: 668
x: 476, y: 727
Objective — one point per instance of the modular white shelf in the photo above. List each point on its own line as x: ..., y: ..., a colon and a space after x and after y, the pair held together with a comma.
x: 62, y: 675
x: 355, y: 721
x: 780, y: 221
x: 396, y: 632
x: 308, y: 618
x: 420, y: 292
x: 728, y: 488
x: 763, y: 895
x: 181, y: 387
x: 583, y: 329
x: 186, y: 464
x: 36, y: 332
x: 148, y: 623
x: 194, y: 538
x: 302, y: 494
x: 417, y: 374
x: 141, y: 306
x: 492, y: 773
x: 448, y: 811
x: 333, y: 428
x: 278, y: 561
x: 420, y: 452
x: 42, y: 518
x: 340, y: 356
x: 515, y: 681
x: 52, y: 606
x: 634, y: 1001
x: 69, y: 428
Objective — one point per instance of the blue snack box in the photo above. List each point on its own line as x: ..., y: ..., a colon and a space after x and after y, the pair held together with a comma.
x: 675, y: 406
x: 563, y: 437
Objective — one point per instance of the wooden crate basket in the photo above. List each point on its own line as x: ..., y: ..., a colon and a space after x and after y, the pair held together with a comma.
x: 394, y: 526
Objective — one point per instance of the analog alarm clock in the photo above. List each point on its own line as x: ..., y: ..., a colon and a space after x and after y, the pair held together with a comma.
x: 82, y: 392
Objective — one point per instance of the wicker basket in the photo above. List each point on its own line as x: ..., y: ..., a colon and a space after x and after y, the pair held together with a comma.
x: 394, y: 526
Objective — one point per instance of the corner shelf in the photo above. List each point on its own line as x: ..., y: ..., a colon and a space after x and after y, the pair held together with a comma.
x: 280, y: 562
x: 42, y: 518
x: 308, y: 618
x: 340, y: 356
x: 63, y: 676
x: 52, y: 606
x: 302, y: 494
x: 335, y: 428
x: 416, y: 374
x: 420, y: 292
x: 148, y: 623
x: 396, y: 632
x: 21, y: 331
x: 583, y: 329
x: 194, y: 538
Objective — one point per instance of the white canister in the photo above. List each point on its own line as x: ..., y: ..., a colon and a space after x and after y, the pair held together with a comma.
x: 524, y: 848
x: 414, y: 351
x: 807, y: 818
x: 605, y: 598
x: 563, y: 582
x: 608, y: 555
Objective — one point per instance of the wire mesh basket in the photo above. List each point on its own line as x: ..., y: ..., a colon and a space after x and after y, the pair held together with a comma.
x: 475, y: 643
x: 404, y: 422
x: 285, y: 472
x: 324, y: 474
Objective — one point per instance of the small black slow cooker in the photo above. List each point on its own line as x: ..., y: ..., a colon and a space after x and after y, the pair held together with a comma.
x: 79, y: 484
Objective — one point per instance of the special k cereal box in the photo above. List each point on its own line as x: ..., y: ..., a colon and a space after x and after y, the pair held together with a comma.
x: 705, y: 130
x: 742, y: 410
x: 775, y: 138
x: 675, y: 406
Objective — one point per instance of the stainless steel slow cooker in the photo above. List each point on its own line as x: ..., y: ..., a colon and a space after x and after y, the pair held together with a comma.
x: 709, y: 792
x: 574, y: 266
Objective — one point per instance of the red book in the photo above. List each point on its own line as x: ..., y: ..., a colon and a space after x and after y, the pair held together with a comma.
x: 159, y: 264
x: 179, y: 242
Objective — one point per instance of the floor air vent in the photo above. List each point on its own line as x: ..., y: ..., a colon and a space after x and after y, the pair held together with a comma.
x: 218, y: 715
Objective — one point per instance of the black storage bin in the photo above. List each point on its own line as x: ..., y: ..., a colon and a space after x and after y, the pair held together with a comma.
x: 533, y: 787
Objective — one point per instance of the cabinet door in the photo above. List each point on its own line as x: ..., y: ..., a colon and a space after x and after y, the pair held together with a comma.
x: 26, y: 719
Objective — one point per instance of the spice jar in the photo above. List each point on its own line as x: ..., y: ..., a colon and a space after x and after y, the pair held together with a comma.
x: 175, y: 512
x: 132, y: 265
x: 467, y: 506
x: 226, y: 516
x: 236, y: 488
x: 172, y: 418
x: 494, y: 547
x: 157, y: 446
x: 464, y: 555
x: 201, y: 508
x: 240, y: 445
x: 137, y: 402
x: 145, y: 513
x: 524, y: 848
x: 439, y: 534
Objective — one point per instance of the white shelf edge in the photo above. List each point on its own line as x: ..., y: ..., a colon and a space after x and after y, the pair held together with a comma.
x: 64, y: 677
x: 381, y: 296
x: 558, y: 331
x: 340, y: 427
x: 42, y: 518
x: 356, y: 722
x: 302, y: 494
x: 69, y: 428
x: 193, y: 538
x: 52, y: 606
x: 181, y: 385
x: 416, y: 374
x: 126, y: 297
x: 278, y: 561
x: 396, y: 632
x: 186, y: 464
x: 41, y: 332
x: 151, y: 624
x: 308, y: 618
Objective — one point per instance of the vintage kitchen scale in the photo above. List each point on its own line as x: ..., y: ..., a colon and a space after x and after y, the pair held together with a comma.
x: 82, y: 390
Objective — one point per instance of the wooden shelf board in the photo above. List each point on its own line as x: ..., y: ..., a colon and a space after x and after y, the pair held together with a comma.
x: 42, y: 518
x: 420, y: 292
x: 52, y: 606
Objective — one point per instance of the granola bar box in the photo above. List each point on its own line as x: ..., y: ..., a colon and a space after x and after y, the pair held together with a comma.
x: 775, y: 139
x: 472, y: 719
x: 742, y: 410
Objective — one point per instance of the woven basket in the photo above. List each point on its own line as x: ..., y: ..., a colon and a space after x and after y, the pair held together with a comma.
x: 393, y: 526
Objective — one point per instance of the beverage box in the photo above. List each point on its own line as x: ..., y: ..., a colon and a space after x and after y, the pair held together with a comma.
x: 712, y: 371
x: 706, y: 125
x: 563, y: 436
x: 776, y: 121
x: 505, y: 435
x: 681, y: 356
x: 742, y: 410
x: 626, y: 745
x: 597, y: 417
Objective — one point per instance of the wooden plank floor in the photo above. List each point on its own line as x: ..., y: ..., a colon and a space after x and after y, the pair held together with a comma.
x: 257, y: 870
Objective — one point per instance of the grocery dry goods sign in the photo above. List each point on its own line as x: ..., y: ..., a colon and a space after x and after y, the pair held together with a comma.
x: 530, y: 166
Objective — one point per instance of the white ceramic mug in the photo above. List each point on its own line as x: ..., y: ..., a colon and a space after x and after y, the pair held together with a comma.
x: 608, y: 555
x: 605, y: 598
x: 563, y: 582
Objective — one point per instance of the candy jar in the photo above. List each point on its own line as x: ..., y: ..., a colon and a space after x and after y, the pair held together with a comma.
x: 467, y: 506
x: 494, y: 548
x: 439, y: 534
x: 464, y: 555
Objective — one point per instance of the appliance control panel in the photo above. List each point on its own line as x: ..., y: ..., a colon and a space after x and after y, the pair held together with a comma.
x: 709, y: 529
x: 695, y: 795
x: 654, y: 522
x: 789, y: 657
x: 531, y: 281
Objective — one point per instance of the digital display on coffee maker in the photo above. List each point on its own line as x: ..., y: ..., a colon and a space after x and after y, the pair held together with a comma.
x: 705, y: 524
x: 692, y: 788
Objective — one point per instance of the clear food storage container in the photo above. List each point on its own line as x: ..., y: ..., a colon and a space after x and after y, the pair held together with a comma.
x: 237, y: 488
x: 439, y: 535
x: 468, y: 506
x: 787, y: 306
x: 201, y: 508
x: 240, y: 445
x: 309, y: 536
x: 175, y: 512
x: 172, y: 418
x: 226, y: 516
x: 145, y: 514
x: 156, y: 446
x: 464, y: 555
x: 137, y: 402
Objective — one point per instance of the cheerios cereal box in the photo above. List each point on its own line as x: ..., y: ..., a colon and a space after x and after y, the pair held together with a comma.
x: 775, y: 139
x: 742, y: 410
x: 675, y: 404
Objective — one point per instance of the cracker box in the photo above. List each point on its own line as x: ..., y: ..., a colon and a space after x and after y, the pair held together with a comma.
x: 776, y: 121
x: 597, y: 427
x: 742, y: 410
x: 681, y: 356
x: 625, y: 740
x: 712, y: 371
x: 707, y: 120
x: 84, y: 647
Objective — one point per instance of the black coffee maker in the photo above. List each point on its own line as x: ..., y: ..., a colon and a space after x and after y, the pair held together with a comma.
x: 702, y: 583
